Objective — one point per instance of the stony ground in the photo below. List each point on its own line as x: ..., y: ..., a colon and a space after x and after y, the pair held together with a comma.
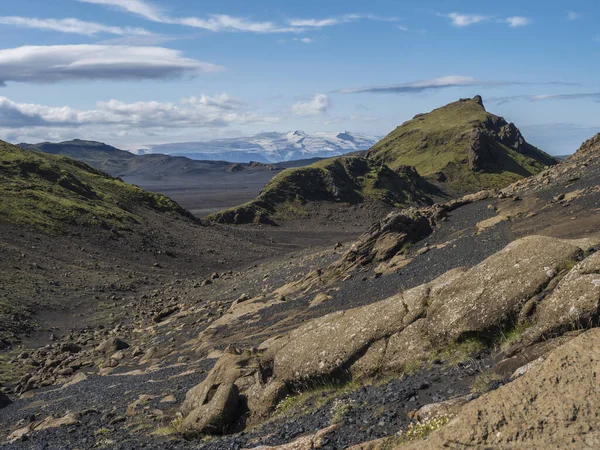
x: 159, y: 304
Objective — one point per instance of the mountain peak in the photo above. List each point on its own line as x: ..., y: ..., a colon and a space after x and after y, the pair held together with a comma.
x: 479, y: 100
x: 462, y: 146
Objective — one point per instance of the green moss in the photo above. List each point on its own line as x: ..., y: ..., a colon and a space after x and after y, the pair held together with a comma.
x: 440, y: 142
x: 458, y: 352
x: 313, y: 398
x: 349, y: 180
x: 485, y: 382
x: 511, y: 336
x: 50, y: 193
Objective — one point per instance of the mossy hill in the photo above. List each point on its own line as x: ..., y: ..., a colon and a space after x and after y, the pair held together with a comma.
x: 462, y: 148
x: 349, y: 180
x: 52, y: 192
x: 95, y: 154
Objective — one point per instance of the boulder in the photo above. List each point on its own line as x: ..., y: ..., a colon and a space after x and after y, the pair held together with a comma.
x: 490, y: 293
x: 4, y: 400
x: 228, y: 369
x: 330, y: 343
x: 554, y: 405
x: 458, y: 304
x: 216, y: 415
x: 309, y: 442
x: 575, y: 302
x: 112, y: 345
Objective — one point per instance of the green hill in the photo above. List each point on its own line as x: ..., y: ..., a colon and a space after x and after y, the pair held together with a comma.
x: 462, y: 147
x: 349, y: 180
x: 52, y: 192
x: 95, y: 154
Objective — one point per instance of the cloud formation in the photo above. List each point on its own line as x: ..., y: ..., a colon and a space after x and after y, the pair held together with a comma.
x: 417, y: 86
x: 219, y: 111
x: 460, y: 20
x: 517, y: 21
x: 74, y: 26
x: 51, y: 64
x: 544, y: 97
x: 437, y: 84
x: 464, y: 20
x: 225, y: 23
x: 316, y: 106
x: 572, y: 15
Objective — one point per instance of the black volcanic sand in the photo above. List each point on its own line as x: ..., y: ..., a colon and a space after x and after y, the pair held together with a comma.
x: 261, y: 259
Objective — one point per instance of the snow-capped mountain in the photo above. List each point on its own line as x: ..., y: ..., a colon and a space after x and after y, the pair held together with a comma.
x: 269, y: 147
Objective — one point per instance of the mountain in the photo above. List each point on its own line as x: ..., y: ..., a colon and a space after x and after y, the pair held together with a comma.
x: 437, y: 325
x: 270, y: 147
x: 53, y: 192
x: 343, y: 180
x: 96, y: 154
x: 462, y: 148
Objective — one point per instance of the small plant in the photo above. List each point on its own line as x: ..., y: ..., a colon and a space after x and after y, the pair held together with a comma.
x: 174, y: 427
x: 512, y: 336
x: 340, y: 408
x: 412, y: 367
x: 459, y: 352
x: 485, y: 382
x: 416, y: 431
x: 314, y: 397
x: 101, y: 432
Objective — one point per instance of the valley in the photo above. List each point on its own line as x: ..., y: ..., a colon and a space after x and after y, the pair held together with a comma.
x: 369, y: 301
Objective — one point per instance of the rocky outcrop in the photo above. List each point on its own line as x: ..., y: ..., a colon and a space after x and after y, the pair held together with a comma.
x: 555, y: 405
x: 457, y: 305
x: 589, y: 148
x: 349, y: 180
x: 574, y: 304
x: 454, y: 145
x: 386, y: 337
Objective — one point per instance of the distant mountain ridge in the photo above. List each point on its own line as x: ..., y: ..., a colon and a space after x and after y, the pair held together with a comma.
x: 270, y: 147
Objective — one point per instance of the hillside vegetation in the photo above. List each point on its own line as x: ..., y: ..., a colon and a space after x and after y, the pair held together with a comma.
x: 462, y: 147
x: 51, y: 192
x: 348, y: 180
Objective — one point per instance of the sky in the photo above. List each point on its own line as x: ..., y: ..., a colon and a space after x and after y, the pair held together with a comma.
x: 133, y: 73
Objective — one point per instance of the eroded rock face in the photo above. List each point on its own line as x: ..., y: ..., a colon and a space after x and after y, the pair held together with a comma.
x: 216, y: 415
x: 486, y: 295
x: 574, y: 303
x: 388, y: 335
x: 556, y: 404
x: 454, y: 305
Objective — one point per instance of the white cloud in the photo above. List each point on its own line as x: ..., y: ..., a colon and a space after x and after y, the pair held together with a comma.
x: 517, y: 21
x: 441, y: 83
x: 50, y: 64
x: 74, y: 26
x: 305, y: 40
x: 465, y: 20
x: 138, y: 7
x: 222, y: 22
x: 204, y: 112
x: 318, y: 105
x: 417, y: 86
x: 225, y: 23
x: 594, y: 96
x: 572, y: 15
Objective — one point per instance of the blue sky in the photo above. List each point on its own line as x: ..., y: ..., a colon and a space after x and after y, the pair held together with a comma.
x: 135, y: 72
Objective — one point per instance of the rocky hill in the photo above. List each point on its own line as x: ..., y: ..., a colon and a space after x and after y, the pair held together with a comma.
x: 462, y: 148
x: 345, y: 180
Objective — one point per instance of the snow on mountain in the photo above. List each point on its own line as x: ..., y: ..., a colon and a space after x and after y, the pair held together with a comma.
x: 270, y: 147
